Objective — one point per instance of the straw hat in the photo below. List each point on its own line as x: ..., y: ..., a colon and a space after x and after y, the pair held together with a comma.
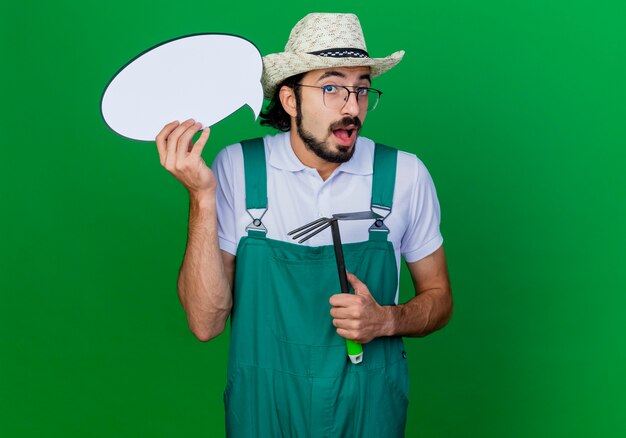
x: 323, y: 41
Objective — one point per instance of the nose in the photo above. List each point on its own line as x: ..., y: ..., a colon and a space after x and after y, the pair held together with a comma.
x: 351, y: 106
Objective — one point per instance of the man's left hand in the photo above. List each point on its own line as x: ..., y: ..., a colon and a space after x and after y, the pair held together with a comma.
x: 358, y: 316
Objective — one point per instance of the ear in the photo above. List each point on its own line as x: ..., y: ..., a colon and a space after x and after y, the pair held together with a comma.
x: 287, y: 97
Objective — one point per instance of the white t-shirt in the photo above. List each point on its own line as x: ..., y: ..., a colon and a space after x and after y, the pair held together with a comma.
x: 297, y: 195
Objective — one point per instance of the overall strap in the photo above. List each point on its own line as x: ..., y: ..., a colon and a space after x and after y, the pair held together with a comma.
x: 383, y: 184
x: 255, y: 175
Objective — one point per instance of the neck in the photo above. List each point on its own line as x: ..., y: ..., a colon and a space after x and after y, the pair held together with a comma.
x: 309, y: 158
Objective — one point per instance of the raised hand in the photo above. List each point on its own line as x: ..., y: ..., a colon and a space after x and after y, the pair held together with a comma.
x: 182, y: 158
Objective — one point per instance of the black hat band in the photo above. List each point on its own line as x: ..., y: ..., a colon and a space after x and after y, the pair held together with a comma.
x: 341, y: 53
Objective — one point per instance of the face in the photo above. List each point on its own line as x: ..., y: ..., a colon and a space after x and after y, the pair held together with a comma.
x: 330, y: 133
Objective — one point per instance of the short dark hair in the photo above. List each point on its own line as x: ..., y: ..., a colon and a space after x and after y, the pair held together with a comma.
x: 275, y: 115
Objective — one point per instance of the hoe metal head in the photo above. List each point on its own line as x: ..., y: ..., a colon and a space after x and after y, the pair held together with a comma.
x: 312, y: 228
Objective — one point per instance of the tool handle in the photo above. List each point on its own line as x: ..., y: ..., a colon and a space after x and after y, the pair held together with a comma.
x: 355, y: 350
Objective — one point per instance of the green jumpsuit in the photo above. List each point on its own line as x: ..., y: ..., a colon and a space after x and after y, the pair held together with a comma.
x: 288, y: 371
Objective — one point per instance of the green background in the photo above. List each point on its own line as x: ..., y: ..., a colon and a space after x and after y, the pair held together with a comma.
x: 517, y: 109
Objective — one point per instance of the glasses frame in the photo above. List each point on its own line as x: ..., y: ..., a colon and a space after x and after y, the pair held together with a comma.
x: 347, y: 88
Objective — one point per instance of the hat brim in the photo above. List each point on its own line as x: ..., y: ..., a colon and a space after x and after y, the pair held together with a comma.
x: 279, y: 66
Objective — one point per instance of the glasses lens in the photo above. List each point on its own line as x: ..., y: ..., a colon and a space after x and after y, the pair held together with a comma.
x: 335, y: 97
x: 372, y: 100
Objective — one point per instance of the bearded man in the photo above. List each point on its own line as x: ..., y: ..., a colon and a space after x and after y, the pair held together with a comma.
x: 288, y: 372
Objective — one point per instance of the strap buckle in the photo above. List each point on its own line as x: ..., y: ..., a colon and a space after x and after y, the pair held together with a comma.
x: 256, y: 224
x: 383, y: 212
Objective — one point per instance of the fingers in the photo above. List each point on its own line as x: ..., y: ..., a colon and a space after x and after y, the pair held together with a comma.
x: 184, y: 141
x: 342, y: 300
x: 355, y: 315
x: 346, y: 334
x: 348, y: 324
x: 172, y: 142
x: 353, y: 335
x: 347, y: 306
x: 161, y: 139
x: 359, y: 287
x: 352, y: 313
x: 198, y: 146
x: 357, y: 330
x: 360, y: 291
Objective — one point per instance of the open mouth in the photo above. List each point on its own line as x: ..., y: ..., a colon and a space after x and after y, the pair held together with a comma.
x: 345, y: 136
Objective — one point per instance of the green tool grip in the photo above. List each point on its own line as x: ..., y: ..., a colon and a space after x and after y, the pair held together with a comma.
x: 355, y: 351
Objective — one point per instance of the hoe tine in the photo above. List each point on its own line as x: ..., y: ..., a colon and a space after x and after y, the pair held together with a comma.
x: 314, y: 232
x: 309, y: 225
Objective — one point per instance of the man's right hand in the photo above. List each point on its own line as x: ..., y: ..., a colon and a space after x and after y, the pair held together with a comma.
x: 183, y: 159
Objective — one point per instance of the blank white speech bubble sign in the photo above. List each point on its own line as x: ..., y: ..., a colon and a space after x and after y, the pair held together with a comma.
x: 205, y: 77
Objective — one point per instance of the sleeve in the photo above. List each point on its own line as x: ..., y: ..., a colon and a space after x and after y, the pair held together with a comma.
x: 422, y: 236
x: 225, y: 203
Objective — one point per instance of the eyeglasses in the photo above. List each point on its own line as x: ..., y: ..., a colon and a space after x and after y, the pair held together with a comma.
x: 336, y: 96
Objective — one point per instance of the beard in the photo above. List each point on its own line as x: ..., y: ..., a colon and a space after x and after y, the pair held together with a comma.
x: 321, y: 148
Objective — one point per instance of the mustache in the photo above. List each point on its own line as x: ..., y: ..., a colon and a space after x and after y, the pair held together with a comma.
x: 355, y: 122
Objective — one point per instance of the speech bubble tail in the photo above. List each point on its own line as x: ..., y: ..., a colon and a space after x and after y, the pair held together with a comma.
x: 256, y: 103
